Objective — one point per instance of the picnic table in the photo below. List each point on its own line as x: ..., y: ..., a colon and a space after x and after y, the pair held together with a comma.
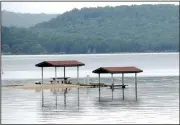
x: 64, y: 80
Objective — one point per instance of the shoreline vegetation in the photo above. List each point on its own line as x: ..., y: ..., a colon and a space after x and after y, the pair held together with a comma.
x: 95, y: 53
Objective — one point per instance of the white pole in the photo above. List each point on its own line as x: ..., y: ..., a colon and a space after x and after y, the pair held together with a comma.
x: 136, y: 85
x: 112, y: 80
x: 123, y: 85
x: 84, y: 80
x: 87, y: 79
x: 55, y: 75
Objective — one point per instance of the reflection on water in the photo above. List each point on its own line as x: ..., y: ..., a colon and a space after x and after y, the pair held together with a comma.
x: 57, y: 92
x: 158, y: 102
x: 64, y: 91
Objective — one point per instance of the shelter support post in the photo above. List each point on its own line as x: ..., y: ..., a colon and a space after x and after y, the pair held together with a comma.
x: 99, y: 88
x: 56, y: 96
x: 123, y: 85
x: 64, y: 74
x: 78, y: 97
x: 78, y: 82
x: 112, y: 84
x: 42, y: 75
x: 42, y: 87
x: 55, y: 83
x: 136, y: 85
x: 42, y: 97
x: 78, y: 75
x: 65, y: 91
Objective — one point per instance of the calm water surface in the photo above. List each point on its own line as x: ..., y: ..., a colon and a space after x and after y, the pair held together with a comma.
x: 158, y: 92
x: 153, y: 64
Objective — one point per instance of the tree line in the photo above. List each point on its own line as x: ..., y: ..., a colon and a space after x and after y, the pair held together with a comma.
x: 136, y: 28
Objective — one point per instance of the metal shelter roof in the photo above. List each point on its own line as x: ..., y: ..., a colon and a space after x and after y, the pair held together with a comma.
x: 129, y: 69
x: 61, y: 63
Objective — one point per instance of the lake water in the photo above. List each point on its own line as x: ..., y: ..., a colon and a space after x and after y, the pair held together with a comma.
x: 158, y: 91
x: 153, y: 64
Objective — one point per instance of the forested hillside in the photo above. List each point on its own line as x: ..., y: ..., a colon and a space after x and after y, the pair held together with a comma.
x: 137, y: 28
x: 24, y: 19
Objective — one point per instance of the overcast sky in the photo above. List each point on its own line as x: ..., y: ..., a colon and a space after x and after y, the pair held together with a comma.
x: 61, y: 7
